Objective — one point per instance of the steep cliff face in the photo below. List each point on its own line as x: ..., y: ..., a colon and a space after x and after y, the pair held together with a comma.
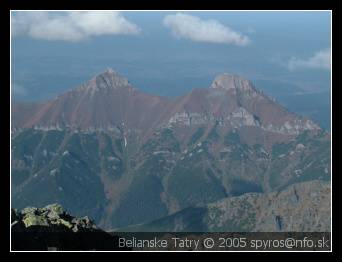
x: 124, y: 157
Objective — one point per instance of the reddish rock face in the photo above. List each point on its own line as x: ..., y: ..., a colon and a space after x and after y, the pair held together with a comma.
x: 109, y: 100
x: 106, y: 100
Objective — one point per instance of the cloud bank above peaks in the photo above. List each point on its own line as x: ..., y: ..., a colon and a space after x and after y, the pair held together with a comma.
x: 71, y: 26
x: 199, y: 30
x: 319, y: 60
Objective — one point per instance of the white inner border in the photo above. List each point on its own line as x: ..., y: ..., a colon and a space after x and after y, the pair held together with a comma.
x: 330, y: 11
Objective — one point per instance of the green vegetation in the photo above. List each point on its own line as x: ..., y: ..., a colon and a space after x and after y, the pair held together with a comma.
x: 70, y: 168
x: 189, y: 219
x: 240, y: 187
x: 232, y: 138
x: 19, y: 176
x: 239, y: 153
x: 194, y: 184
x: 47, y: 149
x: 275, y: 176
x: 90, y: 145
x: 281, y: 148
x: 165, y: 140
x: 153, y: 166
x: 68, y: 174
x: 238, y: 149
x: 141, y: 203
x: 213, y: 134
x: 196, y: 136
x: 303, y: 137
x: 119, y: 143
x: 52, y: 140
x: 26, y: 143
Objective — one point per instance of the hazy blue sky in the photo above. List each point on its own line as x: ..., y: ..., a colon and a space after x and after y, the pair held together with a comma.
x: 286, y: 54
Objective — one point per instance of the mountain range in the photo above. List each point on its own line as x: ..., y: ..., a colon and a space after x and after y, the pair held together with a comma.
x: 127, y: 158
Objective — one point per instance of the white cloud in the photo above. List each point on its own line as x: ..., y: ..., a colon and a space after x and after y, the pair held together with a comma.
x: 71, y: 26
x: 199, y: 30
x: 320, y: 60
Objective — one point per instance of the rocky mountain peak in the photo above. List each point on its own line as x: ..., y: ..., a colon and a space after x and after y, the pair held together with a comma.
x: 108, y: 79
x: 229, y: 81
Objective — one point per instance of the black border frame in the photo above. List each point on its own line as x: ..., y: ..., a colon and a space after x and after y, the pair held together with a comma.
x: 8, y: 5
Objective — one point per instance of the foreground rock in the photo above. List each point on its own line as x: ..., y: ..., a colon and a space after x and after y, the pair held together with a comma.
x: 51, y: 228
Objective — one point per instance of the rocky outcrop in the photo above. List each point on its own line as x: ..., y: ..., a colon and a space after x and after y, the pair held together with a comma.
x: 108, y: 79
x: 50, y: 216
x: 302, y: 207
x: 231, y: 82
x: 51, y: 228
x: 241, y: 118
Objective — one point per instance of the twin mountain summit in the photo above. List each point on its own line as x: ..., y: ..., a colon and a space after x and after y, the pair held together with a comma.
x: 223, y: 158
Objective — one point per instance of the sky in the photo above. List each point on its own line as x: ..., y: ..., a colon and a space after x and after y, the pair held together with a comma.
x: 286, y: 54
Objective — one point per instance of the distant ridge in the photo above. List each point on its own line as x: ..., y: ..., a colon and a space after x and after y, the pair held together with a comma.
x: 108, y: 100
